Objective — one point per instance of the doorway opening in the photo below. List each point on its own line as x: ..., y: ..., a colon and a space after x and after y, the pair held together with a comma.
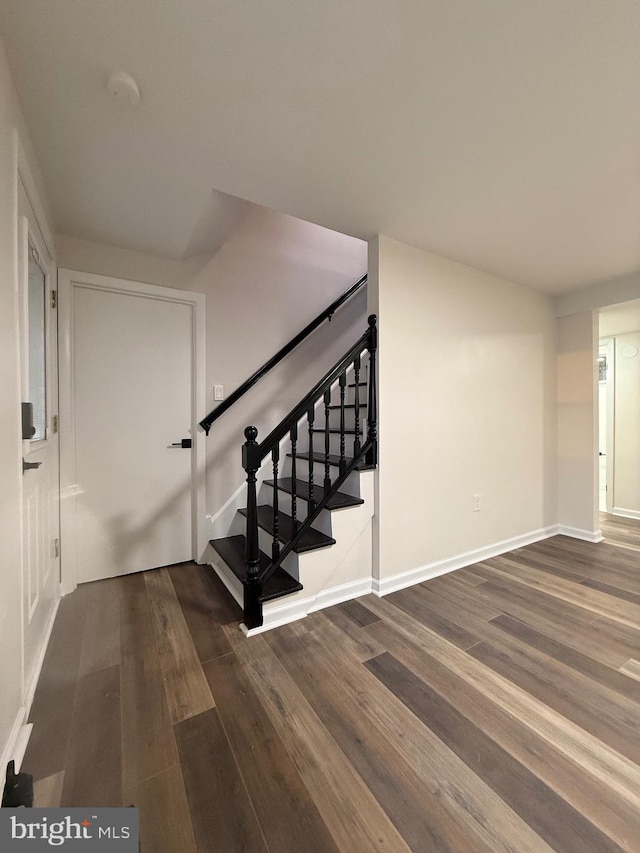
x: 619, y: 411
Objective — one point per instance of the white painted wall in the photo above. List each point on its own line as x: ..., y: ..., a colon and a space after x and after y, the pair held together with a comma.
x: 612, y: 292
x: 619, y: 319
x: 626, y: 495
x: 467, y: 406
x: 10, y: 447
x: 271, y: 277
x: 102, y: 259
x: 577, y: 422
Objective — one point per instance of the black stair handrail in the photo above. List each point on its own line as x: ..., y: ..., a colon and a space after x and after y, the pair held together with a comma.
x: 253, y: 454
x: 327, y: 314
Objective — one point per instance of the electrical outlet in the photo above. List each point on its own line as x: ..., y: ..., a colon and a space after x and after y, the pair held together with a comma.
x: 218, y: 392
x: 476, y: 503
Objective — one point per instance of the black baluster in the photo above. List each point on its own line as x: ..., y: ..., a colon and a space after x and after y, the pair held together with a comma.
x: 311, y: 504
x: 343, y: 382
x: 372, y: 410
x: 252, y: 585
x: 356, y: 441
x: 275, y: 545
x: 294, y: 483
x: 327, y: 439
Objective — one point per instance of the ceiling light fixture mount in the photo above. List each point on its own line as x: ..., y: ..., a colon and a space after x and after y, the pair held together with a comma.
x: 123, y: 89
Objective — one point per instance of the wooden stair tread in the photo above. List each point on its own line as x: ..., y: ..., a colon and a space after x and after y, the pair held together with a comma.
x: 334, y: 459
x: 311, y: 539
x: 338, y: 501
x: 348, y: 406
x: 232, y: 549
x: 335, y: 430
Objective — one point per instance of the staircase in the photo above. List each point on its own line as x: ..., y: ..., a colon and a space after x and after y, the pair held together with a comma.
x: 303, y: 540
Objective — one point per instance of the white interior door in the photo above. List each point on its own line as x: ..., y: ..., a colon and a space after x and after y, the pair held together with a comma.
x: 38, y: 373
x: 128, y: 385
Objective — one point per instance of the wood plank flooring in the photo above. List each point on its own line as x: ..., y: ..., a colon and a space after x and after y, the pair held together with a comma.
x: 492, y: 710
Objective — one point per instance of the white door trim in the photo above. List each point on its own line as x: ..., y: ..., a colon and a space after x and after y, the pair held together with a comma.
x: 26, y: 177
x: 610, y: 458
x: 67, y: 280
x: 32, y: 222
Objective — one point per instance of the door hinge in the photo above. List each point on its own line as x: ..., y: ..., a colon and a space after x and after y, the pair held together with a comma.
x: 56, y: 547
x: 54, y: 298
x: 54, y: 424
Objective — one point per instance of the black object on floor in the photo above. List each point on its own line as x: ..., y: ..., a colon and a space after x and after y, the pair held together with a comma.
x: 18, y: 789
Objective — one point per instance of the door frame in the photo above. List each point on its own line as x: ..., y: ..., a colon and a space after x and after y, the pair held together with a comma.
x: 609, y: 342
x: 67, y: 281
x: 35, y: 225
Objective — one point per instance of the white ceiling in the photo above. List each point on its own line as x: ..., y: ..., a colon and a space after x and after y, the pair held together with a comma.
x: 502, y: 134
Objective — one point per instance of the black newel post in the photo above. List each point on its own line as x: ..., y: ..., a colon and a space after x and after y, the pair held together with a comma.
x: 252, y: 585
x: 372, y: 408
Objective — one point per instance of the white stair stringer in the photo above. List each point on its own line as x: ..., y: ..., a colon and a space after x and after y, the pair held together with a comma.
x: 329, y: 575
x: 232, y: 583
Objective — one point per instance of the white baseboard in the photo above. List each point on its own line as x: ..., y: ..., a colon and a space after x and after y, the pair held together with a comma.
x: 30, y: 689
x: 384, y: 586
x: 291, y: 611
x: 579, y: 533
x: 282, y: 615
x: 343, y: 592
x: 16, y: 744
x: 626, y: 513
x: 18, y: 739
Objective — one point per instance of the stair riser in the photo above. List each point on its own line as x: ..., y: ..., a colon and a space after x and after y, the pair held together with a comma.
x: 238, y: 525
x: 228, y: 556
x: 265, y: 539
x: 321, y: 523
x: 228, y: 578
x: 351, y: 485
x: 331, y: 575
x: 349, y: 418
x: 290, y: 563
x: 302, y: 444
x: 334, y: 443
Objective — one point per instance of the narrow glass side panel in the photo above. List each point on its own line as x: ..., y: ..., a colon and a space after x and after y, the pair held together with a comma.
x: 37, y: 346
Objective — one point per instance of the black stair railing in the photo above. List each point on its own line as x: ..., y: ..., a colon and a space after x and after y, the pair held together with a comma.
x: 364, y: 452
x: 327, y: 314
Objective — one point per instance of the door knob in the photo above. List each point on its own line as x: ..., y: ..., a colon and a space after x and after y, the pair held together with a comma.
x: 28, y: 466
x: 184, y: 442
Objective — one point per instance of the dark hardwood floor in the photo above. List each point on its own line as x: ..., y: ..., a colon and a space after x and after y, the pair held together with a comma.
x: 492, y: 709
